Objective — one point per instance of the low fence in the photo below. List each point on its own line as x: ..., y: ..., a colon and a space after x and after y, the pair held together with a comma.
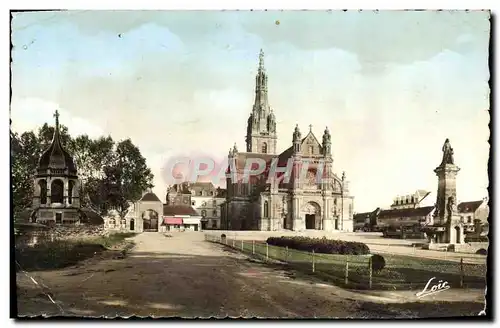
x: 355, y: 271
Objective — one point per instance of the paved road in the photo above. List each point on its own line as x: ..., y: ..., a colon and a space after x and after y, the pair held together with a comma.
x: 187, y: 277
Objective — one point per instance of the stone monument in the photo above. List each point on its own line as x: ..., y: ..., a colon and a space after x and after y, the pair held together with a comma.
x: 447, y: 227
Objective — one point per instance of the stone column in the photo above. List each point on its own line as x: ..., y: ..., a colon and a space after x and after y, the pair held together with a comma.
x: 297, y: 226
x: 446, y: 174
x: 49, y: 190
x: 65, y: 192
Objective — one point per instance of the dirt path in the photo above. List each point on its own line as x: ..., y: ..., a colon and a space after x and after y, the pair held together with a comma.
x: 185, y: 276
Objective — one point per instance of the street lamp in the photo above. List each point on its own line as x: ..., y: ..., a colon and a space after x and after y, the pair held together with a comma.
x: 342, y: 202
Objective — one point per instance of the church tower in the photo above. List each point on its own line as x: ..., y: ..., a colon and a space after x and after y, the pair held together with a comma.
x: 261, y: 128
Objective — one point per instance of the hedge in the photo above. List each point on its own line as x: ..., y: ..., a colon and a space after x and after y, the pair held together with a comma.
x: 320, y: 245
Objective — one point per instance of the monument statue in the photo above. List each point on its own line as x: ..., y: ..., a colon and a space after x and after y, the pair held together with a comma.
x: 447, y: 153
x: 451, y: 207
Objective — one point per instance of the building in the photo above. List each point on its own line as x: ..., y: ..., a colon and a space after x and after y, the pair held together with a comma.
x: 179, y: 194
x: 149, y: 214
x: 476, y: 210
x: 366, y: 221
x: 410, y: 201
x: 56, y: 197
x: 303, y: 202
x: 180, y: 218
x: 204, y: 197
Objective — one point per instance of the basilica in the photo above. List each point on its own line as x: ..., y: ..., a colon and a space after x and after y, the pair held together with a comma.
x: 273, y: 203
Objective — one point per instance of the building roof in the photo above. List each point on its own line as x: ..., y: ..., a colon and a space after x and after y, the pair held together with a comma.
x: 467, y: 207
x: 150, y: 197
x: 184, y: 188
x: 405, y: 212
x: 241, y: 159
x: 55, y: 156
x: 358, y: 217
x: 178, y: 210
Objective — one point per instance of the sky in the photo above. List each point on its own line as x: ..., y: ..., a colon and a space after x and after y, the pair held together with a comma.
x: 390, y: 85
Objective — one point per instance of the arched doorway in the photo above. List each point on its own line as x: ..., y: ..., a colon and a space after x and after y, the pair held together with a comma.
x: 457, y: 235
x: 42, y: 184
x: 132, y: 224
x: 56, y: 191
x: 312, y: 215
x: 150, y: 220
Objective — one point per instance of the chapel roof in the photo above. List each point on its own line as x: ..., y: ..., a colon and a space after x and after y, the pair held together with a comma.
x: 55, y: 156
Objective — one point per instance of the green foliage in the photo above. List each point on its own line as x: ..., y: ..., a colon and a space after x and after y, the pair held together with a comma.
x: 377, y: 262
x: 111, y: 174
x: 320, y: 245
x: 482, y: 251
x: 62, y: 253
x: 112, y: 239
x: 56, y: 254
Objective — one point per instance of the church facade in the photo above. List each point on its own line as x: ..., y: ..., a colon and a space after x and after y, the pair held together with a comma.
x: 309, y: 196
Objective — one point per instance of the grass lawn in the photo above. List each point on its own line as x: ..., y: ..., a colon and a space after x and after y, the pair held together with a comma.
x: 400, y: 272
x: 62, y: 253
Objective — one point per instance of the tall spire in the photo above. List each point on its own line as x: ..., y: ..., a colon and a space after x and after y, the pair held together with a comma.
x: 261, y: 60
x: 261, y: 104
x: 261, y: 125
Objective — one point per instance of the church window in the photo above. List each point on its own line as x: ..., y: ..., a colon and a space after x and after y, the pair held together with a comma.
x: 311, y: 150
x: 266, y: 209
x: 264, y: 148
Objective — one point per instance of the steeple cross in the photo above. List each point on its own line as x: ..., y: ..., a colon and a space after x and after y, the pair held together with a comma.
x: 310, y: 127
x: 56, y: 115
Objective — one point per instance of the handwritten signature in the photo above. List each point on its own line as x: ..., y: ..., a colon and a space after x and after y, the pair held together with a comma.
x: 436, y: 288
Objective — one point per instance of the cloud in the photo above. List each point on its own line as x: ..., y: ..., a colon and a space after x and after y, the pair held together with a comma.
x: 31, y: 113
x: 391, y: 86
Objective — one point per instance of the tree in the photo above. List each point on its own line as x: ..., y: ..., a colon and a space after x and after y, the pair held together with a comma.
x: 46, y: 133
x: 110, y: 174
x: 136, y: 176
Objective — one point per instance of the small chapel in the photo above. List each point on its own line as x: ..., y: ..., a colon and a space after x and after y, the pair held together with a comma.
x: 56, y: 186
x: 301, y: 203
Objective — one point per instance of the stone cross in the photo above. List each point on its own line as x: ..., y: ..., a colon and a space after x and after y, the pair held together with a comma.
x: 56, y: 115
x: 310, y: 127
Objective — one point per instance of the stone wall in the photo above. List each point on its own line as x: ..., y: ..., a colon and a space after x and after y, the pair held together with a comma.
x: 31, y: 235
x: 77, y: 231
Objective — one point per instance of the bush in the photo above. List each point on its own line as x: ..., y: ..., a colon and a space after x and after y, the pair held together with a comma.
x: 56, y: 254
x: 320, y: 245
x: 482, y: 251
x: 378, y: 263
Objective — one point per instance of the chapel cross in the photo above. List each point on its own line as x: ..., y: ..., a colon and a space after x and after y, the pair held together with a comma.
x: 56, y: 115
x: 310, y: 127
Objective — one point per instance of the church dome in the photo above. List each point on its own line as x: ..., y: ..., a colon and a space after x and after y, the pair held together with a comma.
x: 56, y: 157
